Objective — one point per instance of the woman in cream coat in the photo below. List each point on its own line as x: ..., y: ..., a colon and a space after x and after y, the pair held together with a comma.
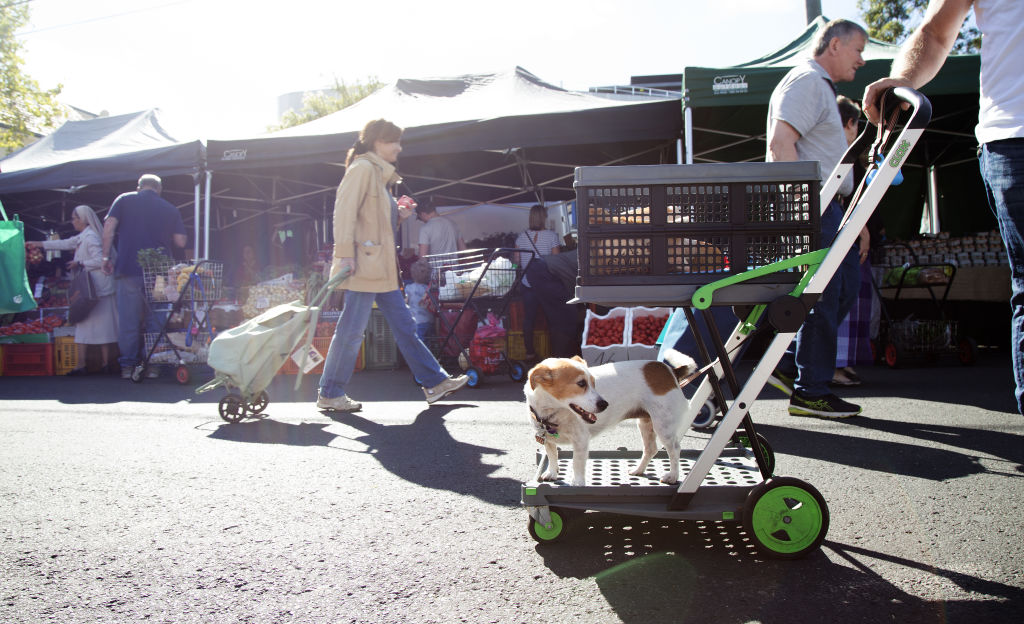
x: 100, y: 327
x: 365, y: 219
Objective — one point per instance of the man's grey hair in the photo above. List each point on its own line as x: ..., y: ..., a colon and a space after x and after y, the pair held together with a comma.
x: 151, y: 181
x: 841, y: 28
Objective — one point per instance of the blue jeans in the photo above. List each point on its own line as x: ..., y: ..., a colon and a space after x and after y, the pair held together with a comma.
x: 348, y: 337
x: 811, y: 358
x: 135, y: 318
x: 1002, y: 168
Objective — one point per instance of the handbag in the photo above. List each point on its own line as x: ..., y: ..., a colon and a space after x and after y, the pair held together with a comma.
x: 537, y: 267
x: 15, y: 292
x: 81, y: 296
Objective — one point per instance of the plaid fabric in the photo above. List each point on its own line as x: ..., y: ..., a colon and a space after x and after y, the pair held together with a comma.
x: 853, y: 345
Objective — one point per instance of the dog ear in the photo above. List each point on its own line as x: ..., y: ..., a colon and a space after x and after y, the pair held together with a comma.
x: 540, y: 375
x: 579, y: 359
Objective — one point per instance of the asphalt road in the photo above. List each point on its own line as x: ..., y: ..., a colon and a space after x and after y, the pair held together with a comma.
x: 124, y: 502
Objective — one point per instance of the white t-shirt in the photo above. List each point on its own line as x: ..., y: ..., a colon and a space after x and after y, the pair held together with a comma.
x: 546, y: 241
x: 1001, y: 105
x: 440, y: 236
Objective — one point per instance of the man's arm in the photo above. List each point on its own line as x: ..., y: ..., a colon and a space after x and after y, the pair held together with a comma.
x: 922, y: 55
x: 109, y: 228
x: 782, y: 142
x: 424, y: 250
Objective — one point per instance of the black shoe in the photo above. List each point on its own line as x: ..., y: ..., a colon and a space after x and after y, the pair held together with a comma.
x: 826, y: 406
x: 78, y: 372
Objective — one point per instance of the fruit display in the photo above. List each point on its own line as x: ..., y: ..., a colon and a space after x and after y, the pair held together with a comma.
x: 603, y: 332
x: 33, y: 255
x: 269, y: 294
x: 646, y: 329
x: 41, y: 326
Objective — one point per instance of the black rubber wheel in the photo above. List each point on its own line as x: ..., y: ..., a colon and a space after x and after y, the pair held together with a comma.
x: 182, y: 375
x: 967, y: 351
x: 785, y: 517
x: 547, y: 534
x: 138, y: 373
x: 769, y: 453
x: 257, y: 405
x: 516, y: 370
x: 231, y: 408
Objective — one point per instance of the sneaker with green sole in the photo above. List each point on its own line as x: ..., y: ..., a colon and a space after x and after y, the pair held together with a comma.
x: 784, y: 383
x: 826, y: 406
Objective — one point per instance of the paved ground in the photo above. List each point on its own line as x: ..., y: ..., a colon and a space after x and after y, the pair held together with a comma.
x: 134, y: 502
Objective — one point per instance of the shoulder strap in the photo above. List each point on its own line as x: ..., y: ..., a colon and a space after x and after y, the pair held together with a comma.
x: 533, y: 243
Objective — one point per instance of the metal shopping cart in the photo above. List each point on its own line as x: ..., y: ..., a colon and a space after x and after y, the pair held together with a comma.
x: 474, y: 284
x: 697, y: 236
x: 179, y: 291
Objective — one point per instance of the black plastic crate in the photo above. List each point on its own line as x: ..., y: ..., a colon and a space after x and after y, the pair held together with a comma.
x: 694, y: 224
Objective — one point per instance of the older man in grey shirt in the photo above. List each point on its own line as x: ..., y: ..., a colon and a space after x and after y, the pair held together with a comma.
x: 804, y: 124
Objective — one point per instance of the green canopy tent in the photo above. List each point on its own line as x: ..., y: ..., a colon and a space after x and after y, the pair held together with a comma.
x: 725, y: 113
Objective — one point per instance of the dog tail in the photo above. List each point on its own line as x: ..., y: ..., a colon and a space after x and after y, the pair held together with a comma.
x: 681, y: 364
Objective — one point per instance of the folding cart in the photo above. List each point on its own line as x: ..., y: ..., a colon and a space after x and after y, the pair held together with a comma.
x: 180, y: 289
x: 481, y: 281
x: 696, y: 236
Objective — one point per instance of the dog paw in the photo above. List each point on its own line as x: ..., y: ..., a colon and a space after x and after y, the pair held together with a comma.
x: 669, y: 478
x: 579, y: 481
x: 549, y: 476
x: 637, y: 472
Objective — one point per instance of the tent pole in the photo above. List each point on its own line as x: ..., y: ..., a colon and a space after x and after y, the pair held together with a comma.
x: 206, y: 241
x: 688, y: 133
x: 195, y: 240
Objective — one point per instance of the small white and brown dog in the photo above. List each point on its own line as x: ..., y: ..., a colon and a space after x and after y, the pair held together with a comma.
x: 570, y: 403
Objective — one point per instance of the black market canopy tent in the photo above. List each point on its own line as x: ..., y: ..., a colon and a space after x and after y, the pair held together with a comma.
x: 726, y: 112
x: 92, y: 161
x: 505, y: 137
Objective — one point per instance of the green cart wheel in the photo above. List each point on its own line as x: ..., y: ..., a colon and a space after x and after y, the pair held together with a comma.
x: 547, y: 534
x: 786, y: 517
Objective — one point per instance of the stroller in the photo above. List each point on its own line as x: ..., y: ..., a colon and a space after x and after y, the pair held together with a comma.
x: 248, y: 356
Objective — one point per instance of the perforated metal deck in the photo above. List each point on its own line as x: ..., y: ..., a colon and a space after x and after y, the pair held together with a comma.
x: 610, y: 488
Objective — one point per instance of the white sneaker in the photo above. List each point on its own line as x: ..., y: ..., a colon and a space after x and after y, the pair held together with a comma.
x: 338, y: 404
x: 446, y: 387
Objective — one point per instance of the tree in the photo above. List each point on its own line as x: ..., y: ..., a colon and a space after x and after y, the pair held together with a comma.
x: 894, y: 20
x: 26, y: 109
x: 317, y: 104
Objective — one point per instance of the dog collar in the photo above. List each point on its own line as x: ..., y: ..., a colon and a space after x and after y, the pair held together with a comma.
x: 549, y: 428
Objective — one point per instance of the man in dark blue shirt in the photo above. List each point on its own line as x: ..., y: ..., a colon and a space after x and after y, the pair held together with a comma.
x: 141, y: 220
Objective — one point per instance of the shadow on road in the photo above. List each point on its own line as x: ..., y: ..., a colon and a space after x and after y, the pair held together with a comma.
x: 422, y: 452
x: 657, y: 570
x: 901, y: 458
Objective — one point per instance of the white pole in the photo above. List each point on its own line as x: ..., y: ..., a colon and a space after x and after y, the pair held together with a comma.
x: 195, y: 240
x: 206, y: 241
x: 688, y: 133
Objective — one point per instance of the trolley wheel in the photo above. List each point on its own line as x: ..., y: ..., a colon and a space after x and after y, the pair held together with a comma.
x: 706, y: 416
x: 231, y: 408
x: 769, y: 453
x: 182, y: 375
x: 967, y: 351
x: 475, y: 377
x: 786, y: 517
x: 551, y: 533
x: 257, y: 405
x: 894, y: 356
x: 516, y: 370
x: 138, y: 373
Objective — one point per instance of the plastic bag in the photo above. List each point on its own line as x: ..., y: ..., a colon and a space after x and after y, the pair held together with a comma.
x: 15, y: 292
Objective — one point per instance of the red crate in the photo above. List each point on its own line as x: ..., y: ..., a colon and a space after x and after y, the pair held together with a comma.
x: 28, y: 359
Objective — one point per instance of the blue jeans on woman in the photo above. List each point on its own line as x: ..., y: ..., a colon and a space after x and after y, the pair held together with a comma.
x: 811, y: 357
x: 348, y: 337
x: 1002, y: 168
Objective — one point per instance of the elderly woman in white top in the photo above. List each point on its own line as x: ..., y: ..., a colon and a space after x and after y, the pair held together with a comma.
x: 100, y: 327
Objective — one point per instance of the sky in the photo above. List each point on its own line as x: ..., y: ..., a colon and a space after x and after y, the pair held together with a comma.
x: 217, y: 67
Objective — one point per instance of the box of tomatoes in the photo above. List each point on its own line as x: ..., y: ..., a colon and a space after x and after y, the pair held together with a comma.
x: 645, y: 325
x: 605, y: 337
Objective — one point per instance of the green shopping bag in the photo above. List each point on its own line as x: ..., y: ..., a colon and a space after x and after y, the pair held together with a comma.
x: 15, y: 292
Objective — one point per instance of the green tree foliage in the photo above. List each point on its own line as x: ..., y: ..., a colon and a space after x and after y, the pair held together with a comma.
x: 321, y: 103
x: 894, y: 20
x: 25, y: 109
